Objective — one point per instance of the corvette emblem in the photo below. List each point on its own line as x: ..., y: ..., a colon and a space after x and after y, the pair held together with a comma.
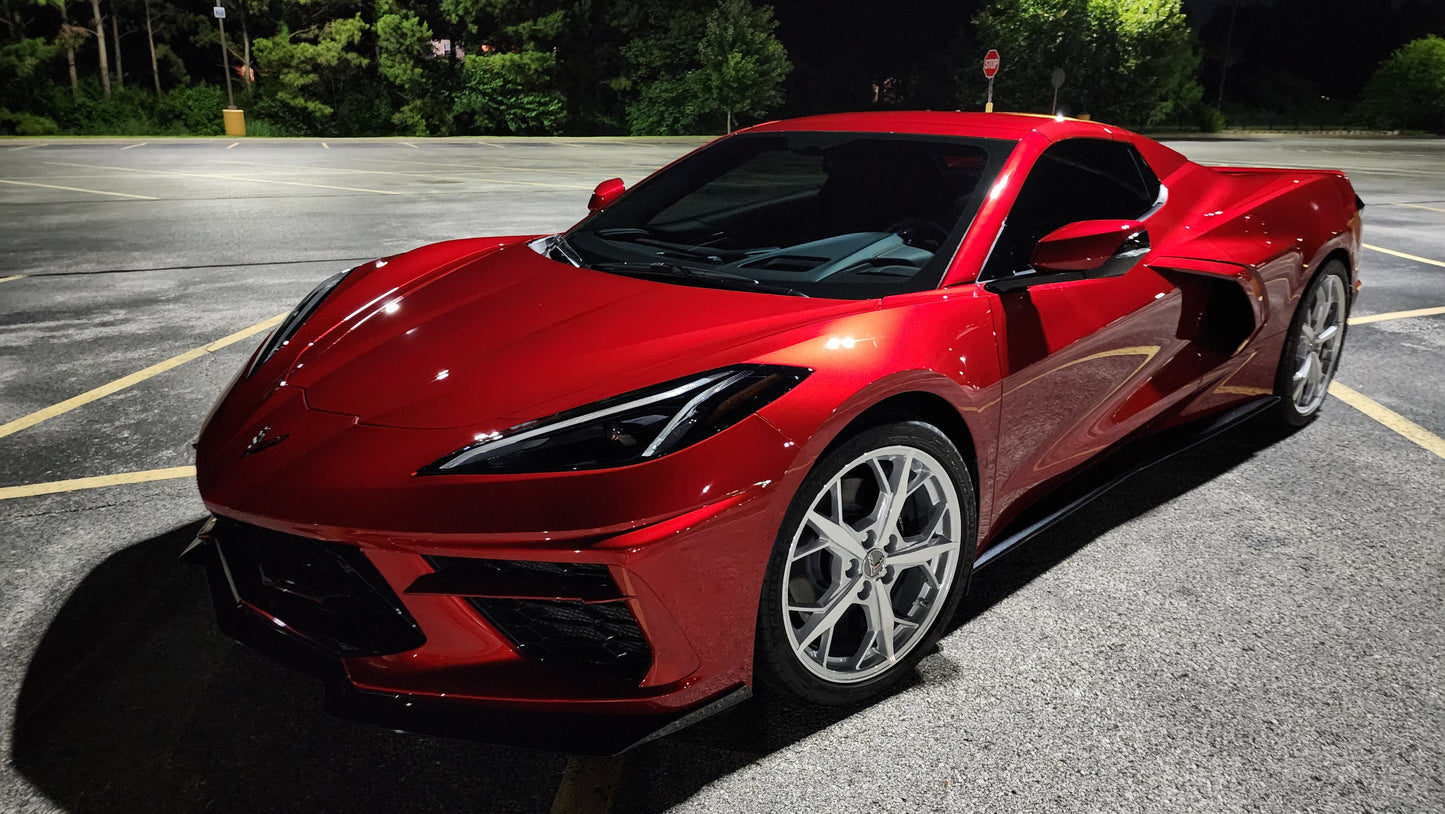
x: 264, y: 441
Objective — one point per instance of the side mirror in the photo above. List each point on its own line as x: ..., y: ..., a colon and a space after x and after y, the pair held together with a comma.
x: 605, y: 193
x: 1084, y: 250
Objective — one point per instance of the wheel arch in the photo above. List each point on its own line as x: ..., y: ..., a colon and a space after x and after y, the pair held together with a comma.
x: 917, y: 405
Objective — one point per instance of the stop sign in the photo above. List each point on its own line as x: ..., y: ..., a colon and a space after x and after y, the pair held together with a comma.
x: 990, y: 64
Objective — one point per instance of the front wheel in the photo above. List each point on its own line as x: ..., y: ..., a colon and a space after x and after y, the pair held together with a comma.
x: 1313, y: 345
x: 869, y: 565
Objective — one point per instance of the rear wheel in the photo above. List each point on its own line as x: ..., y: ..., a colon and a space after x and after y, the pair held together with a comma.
x: 1313, y: 345
x: 869, y: 565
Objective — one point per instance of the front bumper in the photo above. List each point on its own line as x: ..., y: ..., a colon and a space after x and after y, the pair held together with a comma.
x: 456, y: 646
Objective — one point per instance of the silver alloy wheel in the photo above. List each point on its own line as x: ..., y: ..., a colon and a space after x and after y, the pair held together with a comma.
x: 1317, y: 347
x: 872, y: 563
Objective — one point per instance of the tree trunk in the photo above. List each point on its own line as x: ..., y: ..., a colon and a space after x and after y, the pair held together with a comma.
x: 248, y: 75
x: 730, y: 120
x: 151, y: 41
x: 69, y: 52
x: 100, y: 43
x: 115, y: 34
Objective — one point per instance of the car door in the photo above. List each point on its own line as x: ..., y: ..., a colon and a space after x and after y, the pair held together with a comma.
x: 1084, y: 362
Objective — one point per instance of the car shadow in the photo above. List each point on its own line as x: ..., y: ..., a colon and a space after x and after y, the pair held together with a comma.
x: 133, y: 701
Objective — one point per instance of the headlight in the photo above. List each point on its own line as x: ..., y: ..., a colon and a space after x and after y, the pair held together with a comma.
x: 279, y: 337
x: 626, y: 429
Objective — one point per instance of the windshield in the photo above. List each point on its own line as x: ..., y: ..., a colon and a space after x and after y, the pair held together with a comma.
x: 841, y: 215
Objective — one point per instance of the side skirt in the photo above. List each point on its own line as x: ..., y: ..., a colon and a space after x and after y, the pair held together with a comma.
x: 1092, y: 483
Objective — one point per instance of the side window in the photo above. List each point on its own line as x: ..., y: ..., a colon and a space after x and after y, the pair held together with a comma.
x: 1079, y: 179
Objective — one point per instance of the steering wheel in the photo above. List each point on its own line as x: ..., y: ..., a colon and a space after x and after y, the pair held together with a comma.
x: 920, y: 233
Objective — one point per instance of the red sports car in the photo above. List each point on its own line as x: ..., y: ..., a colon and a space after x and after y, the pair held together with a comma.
x: 757, y: 420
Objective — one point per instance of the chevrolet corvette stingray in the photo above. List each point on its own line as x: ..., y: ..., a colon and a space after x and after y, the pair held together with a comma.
x: 755, y: 421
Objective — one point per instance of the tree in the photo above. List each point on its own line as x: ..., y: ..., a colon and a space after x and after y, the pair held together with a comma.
x: 743, y: 63
x: 1408, y: 89
x: 298, y: 62
x: 1132, y: 61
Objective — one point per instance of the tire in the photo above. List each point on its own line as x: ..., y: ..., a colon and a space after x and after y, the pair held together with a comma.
x: 1313, y: 346
x: 821, y: 622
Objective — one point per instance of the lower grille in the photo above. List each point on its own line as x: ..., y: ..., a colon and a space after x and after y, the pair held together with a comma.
x: 598, y: 635
x: 328, y: 593
x: 566, y: 614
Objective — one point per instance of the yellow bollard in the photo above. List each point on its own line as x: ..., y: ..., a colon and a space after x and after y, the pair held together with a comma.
x: 235, y: 121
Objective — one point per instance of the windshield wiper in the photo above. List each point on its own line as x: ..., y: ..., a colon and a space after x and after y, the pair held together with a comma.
x: 645, y: 238
x: 738, y: 282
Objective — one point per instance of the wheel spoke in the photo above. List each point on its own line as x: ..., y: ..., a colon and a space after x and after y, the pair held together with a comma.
x: 1328, y: 334
x: 921, y: 554
x: 825, y: 614
x: 834, y: 535
x: 897, y: 495
x: 879, y: 610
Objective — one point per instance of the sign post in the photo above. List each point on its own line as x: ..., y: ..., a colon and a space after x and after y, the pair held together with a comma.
x: 234, y: 120
x: 990, y: 69
x: 1058, y: 80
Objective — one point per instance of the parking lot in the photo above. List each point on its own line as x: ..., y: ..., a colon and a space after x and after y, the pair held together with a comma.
x: 1255, y: 626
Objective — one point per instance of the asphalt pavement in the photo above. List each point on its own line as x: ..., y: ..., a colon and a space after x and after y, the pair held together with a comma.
x: 1256, y: 626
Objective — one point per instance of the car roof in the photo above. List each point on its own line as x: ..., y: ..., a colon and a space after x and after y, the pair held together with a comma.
x: 928, y: 122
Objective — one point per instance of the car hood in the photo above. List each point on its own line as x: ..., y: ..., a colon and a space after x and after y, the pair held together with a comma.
x: 495, y: 338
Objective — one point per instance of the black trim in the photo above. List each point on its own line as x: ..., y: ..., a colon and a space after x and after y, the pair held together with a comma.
x: 1095, y: 481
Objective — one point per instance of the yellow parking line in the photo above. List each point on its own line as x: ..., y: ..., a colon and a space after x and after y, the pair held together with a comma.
x: 1400, y: 424
x: 1418, y: 312
x: 1420, y: 206
x: 327, y: 146
x: 235, y: 144
x: 1406, y: 256
x: 224, y: 177
x: 78, y: 189
x: 76, y: 484
x: 135, y: 378
x: 11, y: 277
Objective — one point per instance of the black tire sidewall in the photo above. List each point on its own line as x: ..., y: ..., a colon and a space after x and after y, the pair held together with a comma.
x: 776, y: 666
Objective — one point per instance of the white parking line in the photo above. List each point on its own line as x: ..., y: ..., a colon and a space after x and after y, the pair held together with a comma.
x: 133, y: 146
x: 224, y: 178
x: 78, y: 189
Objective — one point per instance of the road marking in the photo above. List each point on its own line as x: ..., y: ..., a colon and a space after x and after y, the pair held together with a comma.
x: 26, y: 147
x: 1420, y: 206
x: 78, y: 189
x: 1418, y: 312
x: 587, y: 786
x: 409, y: 144
x: 1400, y: 424
x: 135, y: 378
x: 233, y: 144
x: 222, y: 177
x: 414, y: 175
x: 327, y: 146
x: 1406, y: 256
x: 76, y: 484
x: 11, y: 277
x: 479, y: 167
x: 133, y: 146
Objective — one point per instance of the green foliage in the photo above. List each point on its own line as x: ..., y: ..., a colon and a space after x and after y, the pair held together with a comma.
x: 703, y: 68
x: 1130, y: 61
x: 26, y: 124
x: 295, y: 64
x: 743, y: 63
x: 195, y: 110
x: 1407, y: 91
x: 511, y: 94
